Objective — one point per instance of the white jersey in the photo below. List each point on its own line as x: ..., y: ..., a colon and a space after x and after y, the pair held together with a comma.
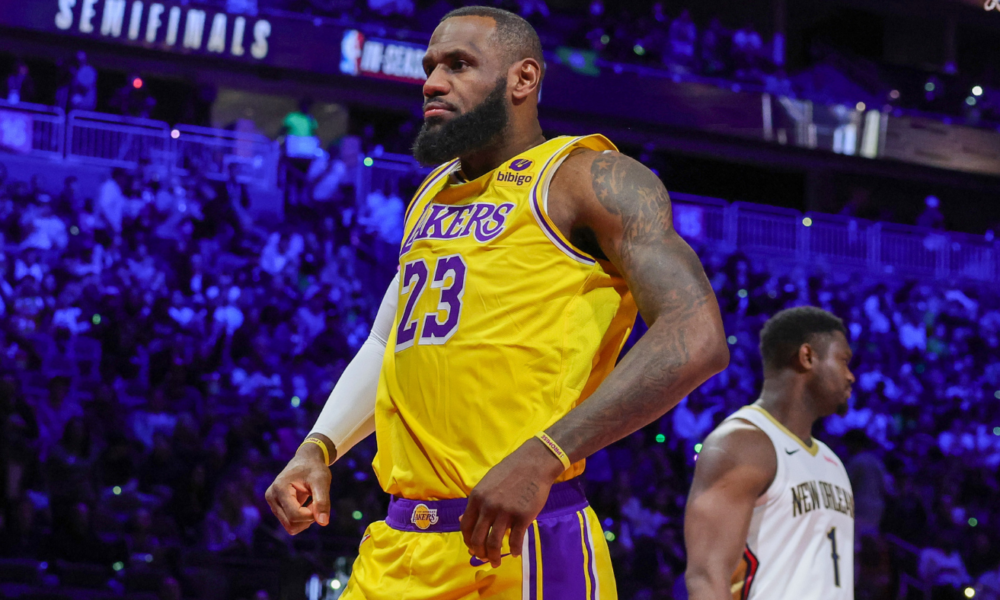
x: 801, y: 539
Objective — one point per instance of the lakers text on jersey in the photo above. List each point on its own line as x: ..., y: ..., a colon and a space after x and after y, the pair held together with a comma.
x: 502, y: 328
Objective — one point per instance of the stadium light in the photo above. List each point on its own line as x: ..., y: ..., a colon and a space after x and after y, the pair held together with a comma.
x: 175, y: 134
x: 860, y: 106
x: 971, y: 101
x: 929, y: 86
x: 894, y: 94
x: 977, y: 90
x: 137, y: 83
x: 970, y: 593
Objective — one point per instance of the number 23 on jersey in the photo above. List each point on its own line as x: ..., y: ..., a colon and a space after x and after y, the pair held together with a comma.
x: 447, y: 278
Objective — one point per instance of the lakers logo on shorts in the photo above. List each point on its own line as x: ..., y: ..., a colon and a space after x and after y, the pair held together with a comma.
x: 424, y: 517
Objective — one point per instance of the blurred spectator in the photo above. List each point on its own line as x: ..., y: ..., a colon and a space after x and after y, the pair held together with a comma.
x: 300, y: 149
x: 20, y: 85
x: 683, y: 37
x: 931, y: 217
x: 111, y: 201
x: 133, y: 99
x: 748, y: 48
x: 942, y: 565
x: 83, y: 89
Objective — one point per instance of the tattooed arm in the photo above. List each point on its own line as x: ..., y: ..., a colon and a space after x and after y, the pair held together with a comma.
x: 618, y: 211
x: 627, y: 213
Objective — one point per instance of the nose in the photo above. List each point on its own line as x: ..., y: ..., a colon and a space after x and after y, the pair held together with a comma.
x: 436, y: 84
x: 850, y: 377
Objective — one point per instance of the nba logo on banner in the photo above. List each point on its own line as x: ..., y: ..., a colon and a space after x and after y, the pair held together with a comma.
x: 424, y: 517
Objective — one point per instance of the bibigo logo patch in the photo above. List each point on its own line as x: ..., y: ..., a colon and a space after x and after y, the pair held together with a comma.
x: 424, y: 517
x: 516, y: 176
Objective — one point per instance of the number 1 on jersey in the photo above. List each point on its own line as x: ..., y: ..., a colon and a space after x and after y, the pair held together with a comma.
x: 414, y: 283
x: 832, y: 536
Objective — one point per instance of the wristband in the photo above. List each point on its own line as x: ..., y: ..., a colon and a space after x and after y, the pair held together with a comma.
x: 554, y: 447
x: 322, y: 445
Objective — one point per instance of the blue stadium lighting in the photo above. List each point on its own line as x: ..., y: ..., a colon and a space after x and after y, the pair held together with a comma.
x: 742, y: 293
x: 296, y: 401
x: 977, y: 90
x: 74, y: 230
x: 149, y: 558
x: 368, y: 161
x: 731, y: 339
x: 996, y: 394
x: 929, y: 86
x: 609, y: 522
x: 970, y: 101
x: 996, y: 431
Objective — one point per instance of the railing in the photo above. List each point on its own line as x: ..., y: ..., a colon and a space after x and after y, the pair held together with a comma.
x: 32, y: 129
x: 846, y: 243
x: 215, y: 151
x: 114, y: 141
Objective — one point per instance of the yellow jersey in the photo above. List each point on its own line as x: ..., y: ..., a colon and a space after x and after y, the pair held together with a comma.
x: 502, y: 326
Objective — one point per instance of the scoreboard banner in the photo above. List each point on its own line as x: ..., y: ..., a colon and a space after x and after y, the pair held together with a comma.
x: 189, y: 28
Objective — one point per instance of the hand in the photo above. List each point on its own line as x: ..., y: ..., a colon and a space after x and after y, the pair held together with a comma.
x: 305, y: 475
x: 509, y: 497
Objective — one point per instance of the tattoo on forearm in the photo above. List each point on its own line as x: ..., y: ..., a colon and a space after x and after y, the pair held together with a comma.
x: 529, y: 494
x: 674, y: 305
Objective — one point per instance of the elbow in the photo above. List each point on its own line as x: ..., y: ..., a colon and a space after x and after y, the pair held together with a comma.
x: 701, y: 585
x: 714, y: 352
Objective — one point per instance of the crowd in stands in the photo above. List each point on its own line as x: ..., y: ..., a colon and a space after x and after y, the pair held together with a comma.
x: 163, y: 351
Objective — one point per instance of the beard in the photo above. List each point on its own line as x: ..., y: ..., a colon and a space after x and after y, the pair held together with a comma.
x: 440, y: 141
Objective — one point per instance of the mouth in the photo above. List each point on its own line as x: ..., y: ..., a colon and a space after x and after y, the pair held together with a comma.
x: 437, y: 109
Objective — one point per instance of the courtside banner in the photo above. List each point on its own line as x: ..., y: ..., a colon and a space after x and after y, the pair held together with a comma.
x: 286, y: 41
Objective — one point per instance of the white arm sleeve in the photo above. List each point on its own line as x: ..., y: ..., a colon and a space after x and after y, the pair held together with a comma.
x: 349, y: 413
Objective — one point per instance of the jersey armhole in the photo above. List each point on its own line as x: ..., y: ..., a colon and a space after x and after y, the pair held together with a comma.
x: 773, y: 492
x: 539, y: 196
x: 432, y: 179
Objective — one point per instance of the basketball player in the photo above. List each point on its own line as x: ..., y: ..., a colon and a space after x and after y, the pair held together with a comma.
x: 522, y: 265
x: 771, y: 511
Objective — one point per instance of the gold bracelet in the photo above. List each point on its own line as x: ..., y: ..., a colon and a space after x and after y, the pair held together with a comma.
x: 322, y: 445
x: 554, y: 447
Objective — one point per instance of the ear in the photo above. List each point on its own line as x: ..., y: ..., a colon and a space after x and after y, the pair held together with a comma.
x: 806, y: 357
x: 526, y: 77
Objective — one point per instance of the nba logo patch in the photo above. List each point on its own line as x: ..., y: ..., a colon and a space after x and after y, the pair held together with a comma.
x: 424, y: 517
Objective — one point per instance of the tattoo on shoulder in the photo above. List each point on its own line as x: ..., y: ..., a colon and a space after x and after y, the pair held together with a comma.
x: 632, y: 192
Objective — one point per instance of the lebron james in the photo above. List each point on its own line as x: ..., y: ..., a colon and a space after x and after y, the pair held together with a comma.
x: 490, y: 375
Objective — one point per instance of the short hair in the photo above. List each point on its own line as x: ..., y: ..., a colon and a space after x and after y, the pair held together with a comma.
x: 785, y: 332
x: 515, y: 35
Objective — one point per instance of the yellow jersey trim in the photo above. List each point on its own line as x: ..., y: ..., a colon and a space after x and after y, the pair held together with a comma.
x: 813, y: 449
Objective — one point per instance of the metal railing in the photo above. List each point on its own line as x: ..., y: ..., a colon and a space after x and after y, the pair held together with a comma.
x: 215, y: 151
x: 32, y: 129
x: 841, y: 242
x: 115, y: 141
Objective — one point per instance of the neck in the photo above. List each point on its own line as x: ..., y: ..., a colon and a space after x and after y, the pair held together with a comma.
x: 483, y: 161
x: 785, y: 397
